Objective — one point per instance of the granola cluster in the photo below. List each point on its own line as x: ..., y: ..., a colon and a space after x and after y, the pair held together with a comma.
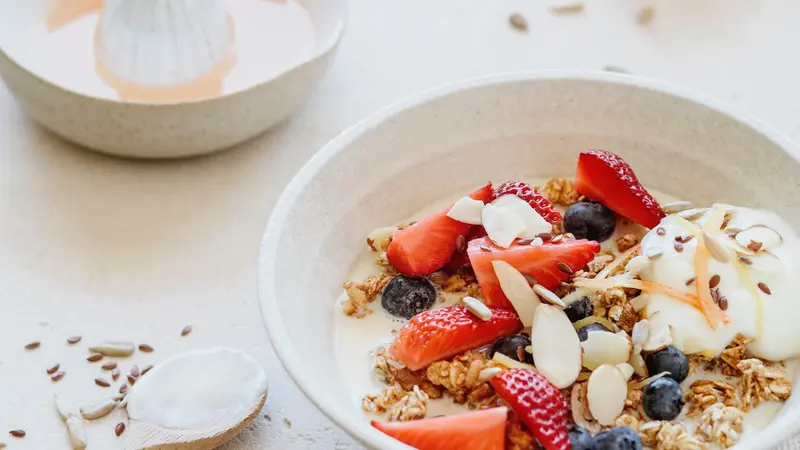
x: 662, y: 435
x: 615, y: 305
x: 721, y: 424
x: 626, y: 242
x: 460, y: 377
x: 458, y: 283
x: 560, y: 191
x: 762, y: 381
x: 703, y: 394
x: 359, y: 294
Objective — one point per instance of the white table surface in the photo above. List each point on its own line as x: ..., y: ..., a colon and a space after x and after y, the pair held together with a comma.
x: 109, y: 248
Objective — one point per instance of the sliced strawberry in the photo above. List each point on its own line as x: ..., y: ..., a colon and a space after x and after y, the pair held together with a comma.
x: 528, y: 193
x: 607, y: 178
x: 476, y: 430
x: 461, y: 259
x: 539, y: 404
x: 426, y: 246
x: 539, y: 262
x: 440, y: 333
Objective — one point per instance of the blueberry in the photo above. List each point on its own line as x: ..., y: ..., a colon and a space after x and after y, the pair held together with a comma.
x: 669, y: 360
x: 580, y: 438
x: 581, y: 309
x: 662, y: 399
x: 405, y: 296
x: 590, y: 220
x: 513, y: 347
x: 583, y: 333
x: 619, y: 438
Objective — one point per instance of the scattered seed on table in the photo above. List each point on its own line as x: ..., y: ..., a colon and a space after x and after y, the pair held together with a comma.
x: 145, y: 348
x: 186, y: 330
x: 119, y: 429
x: 518, y: 22
x: 57, y: 376
x: 764, y: 288
x: 33, y: 345
x: 135, y: 371
x: 18, y: 433
x: 123, y: 389
x: 52, y: 369
x: 95, y: 357
x: 131, y: 379
x: 115, y: 374
x: 101, y: 382
x: 646, y: 15
x: 146, y: 369
x: 74, y: 340
x: 569, y: 9
x: 109, y: 365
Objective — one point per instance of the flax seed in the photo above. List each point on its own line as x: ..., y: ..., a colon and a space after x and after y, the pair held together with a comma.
x: 145, y: 348
x: 101, y: 382
x: 18, y: 433
x: 119, y: 429
x: 714, y: 281
x: 764, y: 288
x: 52, y: 369
x: 33, y: 345
x: 95, y: 357
x: 109, y: 366
x: 661, y: 231
x: 74, y: 340
x: 186, y: 330
x: 57, y: 376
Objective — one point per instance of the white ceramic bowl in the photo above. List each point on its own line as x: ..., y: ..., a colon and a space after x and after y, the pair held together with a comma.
x: 149, y: 130
x: 505, y: 127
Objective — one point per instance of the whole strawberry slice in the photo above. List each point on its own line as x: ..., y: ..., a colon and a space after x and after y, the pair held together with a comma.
x: 441, y: 333
x: 477, y: 430
x: 537, y: 201
x: 607, y: 178
x: 539, y: 404
x: 541, y: 262
x: 426, y: 246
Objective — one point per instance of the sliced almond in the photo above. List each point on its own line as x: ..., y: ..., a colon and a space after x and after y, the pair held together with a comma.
x: 534, y: 223
x: 548, y: 295
x: 606, y: 394
x: 718, y: 249
x: 379, y: 238
x: 579, y: 410
x: 660, y: 335
x: 638, y: 364
x: 763, y: 237
x: 511, y: 363
x: 489, y: 373
x: 602, y: 347
x: 518, y: 291
x: 555, y: 346
x: 766, y: 262
x: 640, y: 332
x: 637, y: 264
x: 626, y: 370
x: 467, y: 210
x: 692, y: 214
x: 502, y: 225
x: 639, y: 303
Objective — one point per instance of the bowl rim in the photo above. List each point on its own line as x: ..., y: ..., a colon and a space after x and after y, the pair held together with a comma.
x: 339, y: 413
x: 330, y: 45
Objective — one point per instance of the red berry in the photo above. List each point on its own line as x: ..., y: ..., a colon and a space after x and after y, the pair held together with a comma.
x: 475, y: 430
x: 537, y: 201
x: 539, y: 404
x: 607, y: 178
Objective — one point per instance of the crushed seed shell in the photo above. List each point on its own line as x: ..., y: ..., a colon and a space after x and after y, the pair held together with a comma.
x: 545, y: 236
x: 525, y: 241
x: 119, y: 429
x: 101, y: 382
x: 557, y: 239
x: 690, y: 281
x: 486, y: 248
x: 678, y: 246
x: 146, y: 369
x: 530, y: 279
x: 646, y: 15
x: 754, y: 245
x: 33, y: 345
x: 764, y: 288
x: 572, y: 8
x: 723, y: 303
x: 52, y: 369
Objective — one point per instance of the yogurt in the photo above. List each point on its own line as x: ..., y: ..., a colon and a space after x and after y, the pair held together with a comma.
x: 766, y: 317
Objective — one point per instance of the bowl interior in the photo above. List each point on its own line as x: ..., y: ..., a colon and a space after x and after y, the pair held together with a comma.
x: 23, y: 32
x: 521, y: 126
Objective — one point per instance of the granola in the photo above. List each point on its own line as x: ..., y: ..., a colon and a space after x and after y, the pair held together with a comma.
x: 703, y: 394
x: 359, y: 294
x: 734, y: 353
x: 762, y: 381
x: 460, y: 377
x: 517, y: 436
x: 721, y: 424
x: 393, y: 372
x: 613, y: 304
x: 413, y: 405
x: 662, y: 435
x: 561, y: 191
x: 381, y: 403
x: 626, y: 242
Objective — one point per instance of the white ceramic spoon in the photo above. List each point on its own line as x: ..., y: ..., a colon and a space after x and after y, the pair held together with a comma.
x: 195, y: 401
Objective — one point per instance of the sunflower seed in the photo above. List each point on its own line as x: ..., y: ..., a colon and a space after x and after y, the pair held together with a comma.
x: 18, y: 433
x: 548, y: 295
x: 74, y: 340
x: 114, y: 348
x: 52, y: 369
x: 33, y: 345
x: 518, y: 22
x: 562, y: 266
x: 537, y: 242
x: 486, y: 248
x: 101, y: 382
x: 461, y: 243
x: 764, y: 288
x: 676, y: 207
x: 489, y: 373
x: 76, y: 430
x: 109, y: 366
x: 98, y: 410
x: 186, y: 330
x: 146, y: 369
x: 115, y: 374
x: 64, y: 409
x: 557, y: 239
x: 477, y: 308
x: 57, y: 376
x: 145, y: 348
x: 714, y: 281
x: 95, y: 357
x: 119, y: 429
